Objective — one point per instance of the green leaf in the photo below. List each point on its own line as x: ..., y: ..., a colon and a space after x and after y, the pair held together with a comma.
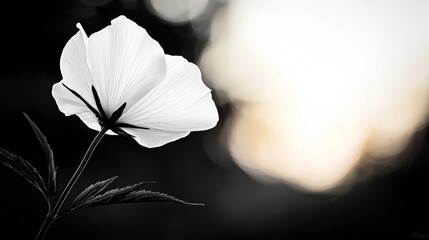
x: 52, y: 171
x: 127, y: 195
x: 91, y: 191
x: 25, y: 169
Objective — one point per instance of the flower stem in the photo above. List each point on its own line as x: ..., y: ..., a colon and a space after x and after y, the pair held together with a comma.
x: 53, y: 214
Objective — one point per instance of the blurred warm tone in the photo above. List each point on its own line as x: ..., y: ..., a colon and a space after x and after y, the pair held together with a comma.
x: 319, y: 87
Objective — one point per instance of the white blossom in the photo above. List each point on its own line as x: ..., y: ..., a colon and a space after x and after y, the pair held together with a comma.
x: 121, y: 78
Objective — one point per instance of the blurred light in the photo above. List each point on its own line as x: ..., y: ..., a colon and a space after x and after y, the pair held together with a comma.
x: 319, y: 86
x: 178, y: 11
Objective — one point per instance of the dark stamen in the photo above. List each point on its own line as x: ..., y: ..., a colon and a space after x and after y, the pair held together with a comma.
x: 126, y: 125
x: 84, y: 101
x: 117, y: 114
x: 111, y: 123
x: 121, y: 132
x: 98, y: 103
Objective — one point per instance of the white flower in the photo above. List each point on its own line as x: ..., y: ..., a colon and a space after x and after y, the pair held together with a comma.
x: 120, y: 77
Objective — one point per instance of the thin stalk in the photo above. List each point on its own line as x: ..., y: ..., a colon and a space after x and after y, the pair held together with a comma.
x: 53, y: 214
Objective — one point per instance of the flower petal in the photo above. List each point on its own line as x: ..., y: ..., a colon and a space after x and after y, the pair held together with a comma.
x: 153, y: 137
x: 74, y: 67
x: 125, y: 63
x: 180, y: 103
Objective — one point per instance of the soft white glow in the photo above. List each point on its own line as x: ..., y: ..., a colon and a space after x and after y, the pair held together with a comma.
x: 178, y: 11
x: 320, y: 84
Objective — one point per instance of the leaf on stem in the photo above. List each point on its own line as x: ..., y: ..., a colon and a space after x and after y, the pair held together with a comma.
x: 91, y: 192
x: 129, y: 194
x: 143, y: 196
x: 25, y: 169
x: 52, y: 171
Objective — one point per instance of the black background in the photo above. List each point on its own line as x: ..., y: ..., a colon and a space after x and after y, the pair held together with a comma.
x: 393, y: 205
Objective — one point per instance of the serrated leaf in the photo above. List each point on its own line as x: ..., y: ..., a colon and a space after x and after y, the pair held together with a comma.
x: 128, y: 195
x: 114, y: 193
x: 25, y: 169
x: 91, y: 191
x: 144, y: 196
x: 52, y: 171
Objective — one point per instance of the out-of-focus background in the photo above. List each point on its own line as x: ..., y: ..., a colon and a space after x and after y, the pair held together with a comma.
x: 322, y: 133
